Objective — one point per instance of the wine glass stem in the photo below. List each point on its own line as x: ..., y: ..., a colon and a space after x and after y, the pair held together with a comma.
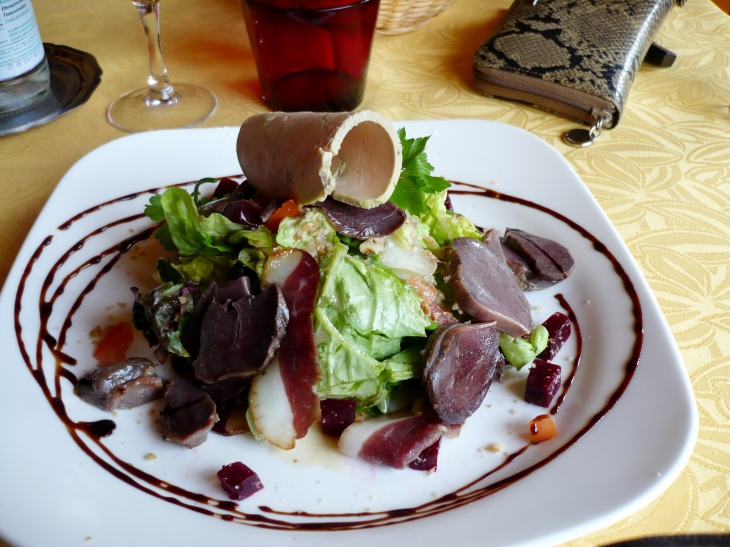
x: 160, y: 88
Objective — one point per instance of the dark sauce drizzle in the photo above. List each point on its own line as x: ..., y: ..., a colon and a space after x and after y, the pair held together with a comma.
x: 126, y: 472
x: 578, y: 351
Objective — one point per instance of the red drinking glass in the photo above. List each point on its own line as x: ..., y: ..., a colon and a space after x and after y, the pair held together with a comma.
x: 311, y: 55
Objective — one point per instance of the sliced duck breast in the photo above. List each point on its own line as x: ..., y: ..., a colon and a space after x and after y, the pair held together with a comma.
x: 187, y: 415
x: 283, y: 398
x: 485, y: 287
x: 239, y: 339
x: 461, y: 361
x: 538, y: 262
x: 395, y: 442
x: 362, y: 223
x: 126, y: 384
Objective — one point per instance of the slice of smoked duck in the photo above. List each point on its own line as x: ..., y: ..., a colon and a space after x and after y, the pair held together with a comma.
x: 485, y: 287
x: 362, y: 223
x: 460, y: 364
x: 239, y: 339
x: 395, y: 442
x: 187, y: 415
x: 283, y: 398
x: 547, y: 262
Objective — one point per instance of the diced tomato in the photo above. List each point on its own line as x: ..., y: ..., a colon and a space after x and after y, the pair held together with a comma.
x: 542, y: 428
x: 289, y: 209
x: 113, y: 347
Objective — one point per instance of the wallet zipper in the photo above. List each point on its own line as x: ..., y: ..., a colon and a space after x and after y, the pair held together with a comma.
x: 572, y: 103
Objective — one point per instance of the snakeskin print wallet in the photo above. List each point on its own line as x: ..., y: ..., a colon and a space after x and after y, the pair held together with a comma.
x: 576, y: 58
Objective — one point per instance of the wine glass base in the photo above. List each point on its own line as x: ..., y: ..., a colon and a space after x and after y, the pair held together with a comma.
x: 134, y: 112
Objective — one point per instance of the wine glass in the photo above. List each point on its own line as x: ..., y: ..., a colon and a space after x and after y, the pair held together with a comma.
x: 160, y: 105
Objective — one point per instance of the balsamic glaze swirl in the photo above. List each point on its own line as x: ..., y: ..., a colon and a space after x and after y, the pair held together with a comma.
x: 268, y: 517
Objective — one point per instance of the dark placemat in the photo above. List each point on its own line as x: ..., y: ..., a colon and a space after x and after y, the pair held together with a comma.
x: 74, y: 77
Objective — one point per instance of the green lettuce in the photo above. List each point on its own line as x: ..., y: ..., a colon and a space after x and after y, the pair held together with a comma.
x: 260, y: 237
x: 445, y: 226
x: 161, y: 314
x: 404, y: 365
x: 205, y: 268
x: 519, y: 351
x: 312, y: 232
x: 192, y: 233
x: 362, y: 315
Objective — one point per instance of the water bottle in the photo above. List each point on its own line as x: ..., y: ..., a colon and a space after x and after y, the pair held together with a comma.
x: 24, y: 74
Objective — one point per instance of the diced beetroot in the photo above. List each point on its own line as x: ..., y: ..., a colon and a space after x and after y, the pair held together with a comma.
x: 543, y: 382
x: 558, y: 327
x: 427, y: 459
x: 225, y: 187
x: 337, y: 414
x: 239, y: 481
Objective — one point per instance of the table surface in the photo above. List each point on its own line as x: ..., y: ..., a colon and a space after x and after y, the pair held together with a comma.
x: 662, y: 176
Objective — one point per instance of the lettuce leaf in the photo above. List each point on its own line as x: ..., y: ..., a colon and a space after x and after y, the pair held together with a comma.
x: 312, y: 232
x: 161, y: 314
x: 363, y: 313
x: 205, y: 268
x: 192, y: 234
x: 519, y: 351
x: 445, y: 226
x: 260, y: 237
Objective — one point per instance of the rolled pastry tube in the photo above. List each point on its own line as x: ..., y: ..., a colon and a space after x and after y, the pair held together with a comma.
x: 306, y: 156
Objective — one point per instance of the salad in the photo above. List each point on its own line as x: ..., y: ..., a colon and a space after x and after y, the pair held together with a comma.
x: 371, y: 310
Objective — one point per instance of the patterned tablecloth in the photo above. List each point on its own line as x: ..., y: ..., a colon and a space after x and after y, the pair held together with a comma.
x: 663, y: 176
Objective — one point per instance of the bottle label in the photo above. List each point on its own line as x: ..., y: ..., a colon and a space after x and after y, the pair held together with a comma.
x: 21, y: 48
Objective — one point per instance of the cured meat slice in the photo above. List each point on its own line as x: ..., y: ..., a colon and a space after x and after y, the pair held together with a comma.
x: 126, y: 384
x: 428, y: 459
x: 395, y: 442
x: 240, y: 339
x: 545, y: 262
x: 306, y: 156
x: 233, y: 289
x: 461, y: 361
x: 188, y: 414
x: 362, y: 223
x: 219, y: 292
x: 485, y: 287
x: 283, y: 399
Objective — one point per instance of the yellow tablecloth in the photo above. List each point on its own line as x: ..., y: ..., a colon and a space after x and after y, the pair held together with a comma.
x: 663, y: 176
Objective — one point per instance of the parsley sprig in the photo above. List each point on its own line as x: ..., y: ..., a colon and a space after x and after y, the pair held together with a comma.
x: 416, y: 178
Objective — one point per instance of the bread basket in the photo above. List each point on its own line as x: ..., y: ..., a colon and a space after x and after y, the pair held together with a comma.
x: 401, y: 16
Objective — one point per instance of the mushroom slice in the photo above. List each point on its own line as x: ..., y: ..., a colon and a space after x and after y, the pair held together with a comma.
x: 306, y: 156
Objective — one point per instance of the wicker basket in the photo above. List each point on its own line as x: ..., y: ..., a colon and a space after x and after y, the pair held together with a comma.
x: 401, y: 16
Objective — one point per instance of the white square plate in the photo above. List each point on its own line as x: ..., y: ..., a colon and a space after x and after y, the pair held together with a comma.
x: 58, y: 487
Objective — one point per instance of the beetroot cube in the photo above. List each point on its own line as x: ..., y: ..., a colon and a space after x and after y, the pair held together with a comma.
x: 337, y: 414
x: 543, y: 383
x: 558, y: 327
x: 427, y: 459
x: 239, y: 481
